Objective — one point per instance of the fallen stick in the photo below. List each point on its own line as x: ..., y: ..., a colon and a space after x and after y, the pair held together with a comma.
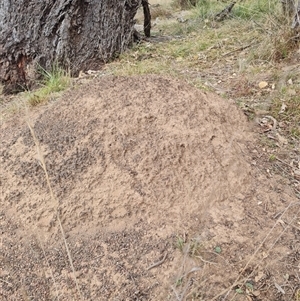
x: 157, y: 263
x: 238, y: 49
x: 224, y: 13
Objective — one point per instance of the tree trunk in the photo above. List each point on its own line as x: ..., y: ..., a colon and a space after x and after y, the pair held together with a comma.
x: 147, y: 18
x: 296, y: 21
x: 76, y: 34
x: 292, y: 10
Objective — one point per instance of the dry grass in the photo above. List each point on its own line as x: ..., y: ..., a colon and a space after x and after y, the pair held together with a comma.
x: 160, y: 11
x: 286, y: 109
x: 216, y: 56
x: 184, y: 288
x: 41, y: 159
x: 210, y: 55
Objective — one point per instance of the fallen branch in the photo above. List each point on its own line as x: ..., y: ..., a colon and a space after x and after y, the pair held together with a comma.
x: 157, y: 263
x: 224, y: 13
x: 274, y: 122
x: 238, y: 49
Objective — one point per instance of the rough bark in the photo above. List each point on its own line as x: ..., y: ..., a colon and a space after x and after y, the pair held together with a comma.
x: 291, y: 8
x: 76, y: 34
x: 147, y: 18
x: 296, y: 21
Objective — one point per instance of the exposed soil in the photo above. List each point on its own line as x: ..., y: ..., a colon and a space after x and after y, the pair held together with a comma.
x: 163, y: 193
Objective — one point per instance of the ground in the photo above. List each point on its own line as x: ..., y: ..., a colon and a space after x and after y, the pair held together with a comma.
x: 141, y: 168
x: 148, y: 188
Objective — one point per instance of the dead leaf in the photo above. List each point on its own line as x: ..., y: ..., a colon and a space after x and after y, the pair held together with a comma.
x: 259, y: 276
x: 81, y: 74
x: 281, y: 139
x: 282, y: 109
x: 263, y: 85
x: 280, y: 289
x: 92, y: 72
x: 297, y: 175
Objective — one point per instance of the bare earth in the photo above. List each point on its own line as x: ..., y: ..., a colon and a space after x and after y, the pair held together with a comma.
x: 162, y: 192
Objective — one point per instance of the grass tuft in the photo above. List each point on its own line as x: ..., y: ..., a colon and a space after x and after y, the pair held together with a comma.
x: 279, y: 41
x: 254, y: 9
x: 53, y: 81
x: 179, y: 243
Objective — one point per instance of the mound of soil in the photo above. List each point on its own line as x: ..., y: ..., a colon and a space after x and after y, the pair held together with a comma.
x: 157, y: 196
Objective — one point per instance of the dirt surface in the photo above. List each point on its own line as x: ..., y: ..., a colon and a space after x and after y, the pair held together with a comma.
x: 163, y: 194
